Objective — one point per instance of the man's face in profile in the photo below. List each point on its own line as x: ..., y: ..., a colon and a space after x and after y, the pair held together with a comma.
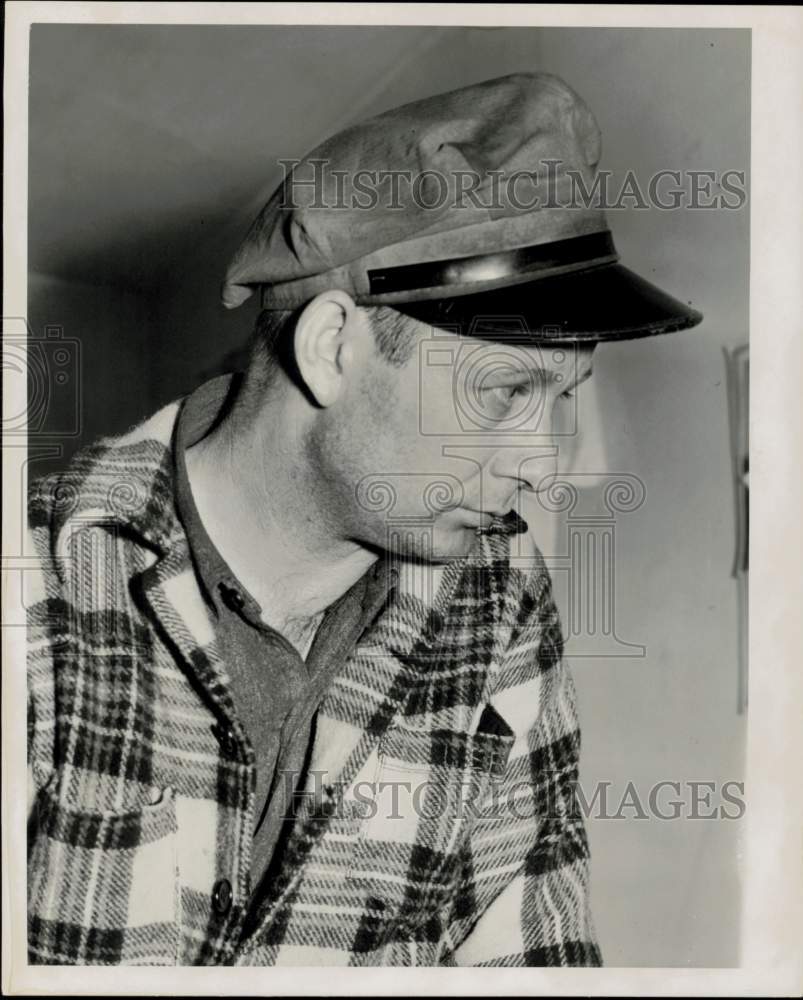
x: 440, y: 445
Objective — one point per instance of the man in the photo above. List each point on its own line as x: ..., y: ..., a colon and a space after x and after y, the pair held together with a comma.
x: 296, y: 686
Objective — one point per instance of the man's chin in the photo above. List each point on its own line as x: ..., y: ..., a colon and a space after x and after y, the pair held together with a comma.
x: 441, y: 546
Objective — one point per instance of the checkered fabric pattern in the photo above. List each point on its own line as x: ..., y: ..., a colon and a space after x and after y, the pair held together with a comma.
x: 435, y: 827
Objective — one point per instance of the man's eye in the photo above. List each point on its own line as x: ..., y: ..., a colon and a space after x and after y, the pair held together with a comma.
x: 569, y: 394
x: 507, y: 393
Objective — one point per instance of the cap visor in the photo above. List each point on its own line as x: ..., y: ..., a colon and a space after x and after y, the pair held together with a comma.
x: 609, y: 302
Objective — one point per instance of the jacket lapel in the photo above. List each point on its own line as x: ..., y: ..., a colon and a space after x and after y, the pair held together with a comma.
x: 439, y: 619
x: 370, y: 690
x: 178, y: 610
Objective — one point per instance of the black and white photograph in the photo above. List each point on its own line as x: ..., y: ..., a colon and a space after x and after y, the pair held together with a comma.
x: 379, y: 427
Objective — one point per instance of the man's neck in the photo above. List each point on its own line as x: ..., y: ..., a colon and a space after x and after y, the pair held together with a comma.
x: 273, y: 539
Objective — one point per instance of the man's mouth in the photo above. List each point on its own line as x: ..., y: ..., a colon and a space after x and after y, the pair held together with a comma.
x: 487, y: 517
x: 506, y: 521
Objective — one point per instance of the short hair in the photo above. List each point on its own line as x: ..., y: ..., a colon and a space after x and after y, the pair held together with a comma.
x: 394, y: 335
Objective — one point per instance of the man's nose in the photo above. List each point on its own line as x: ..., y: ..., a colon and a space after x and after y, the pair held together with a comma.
x: 531, y: 466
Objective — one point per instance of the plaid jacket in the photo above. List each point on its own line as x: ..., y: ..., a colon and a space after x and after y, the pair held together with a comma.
x: 435, y: 827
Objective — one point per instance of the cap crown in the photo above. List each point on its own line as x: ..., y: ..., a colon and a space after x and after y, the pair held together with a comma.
x: 483, y: 169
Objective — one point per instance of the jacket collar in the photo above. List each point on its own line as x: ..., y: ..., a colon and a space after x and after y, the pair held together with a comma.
x: 124, y: 483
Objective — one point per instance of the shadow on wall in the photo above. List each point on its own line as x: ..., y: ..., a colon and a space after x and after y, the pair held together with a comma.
x: 91, y: 368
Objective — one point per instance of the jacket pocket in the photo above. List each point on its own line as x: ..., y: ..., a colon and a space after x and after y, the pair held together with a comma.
x: 103, y: 887
x: 426, y: 787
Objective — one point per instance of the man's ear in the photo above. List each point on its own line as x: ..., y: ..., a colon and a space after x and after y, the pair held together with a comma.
x: 322, y: 344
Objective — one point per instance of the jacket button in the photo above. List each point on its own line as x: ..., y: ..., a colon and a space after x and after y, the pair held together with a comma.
x: 233, y: 598
x: 226, y: 739
x: 436, y: 623
x: 222, y: 897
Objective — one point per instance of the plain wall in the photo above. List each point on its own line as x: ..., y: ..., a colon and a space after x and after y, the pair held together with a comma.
x: 665, y: 893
